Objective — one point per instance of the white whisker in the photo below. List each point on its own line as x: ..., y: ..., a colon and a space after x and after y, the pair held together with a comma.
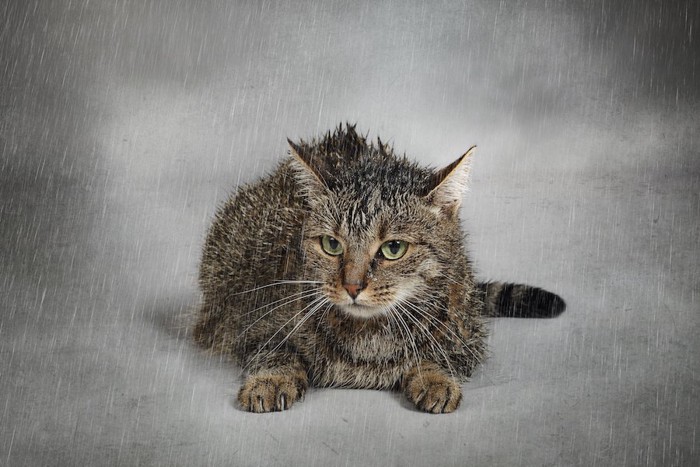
x: 390, y: 319
x: 311, y: 304
x: 276, y: 283
x: 433, y: 341
x: 268, y: 312
x: 301, y: 323
x: 409, y: 337
x: 454, y: 334
x: 298, y: 295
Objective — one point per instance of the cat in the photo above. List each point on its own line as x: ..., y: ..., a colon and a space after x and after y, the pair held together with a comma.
x: 346, y: 267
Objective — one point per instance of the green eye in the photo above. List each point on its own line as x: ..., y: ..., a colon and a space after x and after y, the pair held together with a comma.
x: 331, y: 246
x: 393, y: 249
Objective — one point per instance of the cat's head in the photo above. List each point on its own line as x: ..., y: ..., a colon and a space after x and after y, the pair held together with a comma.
x: 379, y: 228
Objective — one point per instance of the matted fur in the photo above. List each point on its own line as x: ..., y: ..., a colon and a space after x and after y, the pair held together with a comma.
x: 292, y: 314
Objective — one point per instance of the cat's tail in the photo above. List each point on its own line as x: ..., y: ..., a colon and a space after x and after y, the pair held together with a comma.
x: 502, y: 299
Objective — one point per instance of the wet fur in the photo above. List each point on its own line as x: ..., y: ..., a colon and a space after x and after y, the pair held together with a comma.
x: 274, y: 300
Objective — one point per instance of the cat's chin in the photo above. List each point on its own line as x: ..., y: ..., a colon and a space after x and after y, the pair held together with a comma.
x: 362, y: 311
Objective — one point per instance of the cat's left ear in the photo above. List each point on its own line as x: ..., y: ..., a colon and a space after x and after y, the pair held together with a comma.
x: 448, y: 185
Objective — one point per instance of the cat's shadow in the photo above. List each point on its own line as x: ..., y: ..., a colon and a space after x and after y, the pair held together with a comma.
x: 174, y: 318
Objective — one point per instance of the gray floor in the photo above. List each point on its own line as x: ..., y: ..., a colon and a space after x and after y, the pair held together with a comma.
x: 123, y: 124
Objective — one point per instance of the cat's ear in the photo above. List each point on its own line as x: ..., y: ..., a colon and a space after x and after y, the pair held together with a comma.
x: 448, y: 185
x: 305, y: 170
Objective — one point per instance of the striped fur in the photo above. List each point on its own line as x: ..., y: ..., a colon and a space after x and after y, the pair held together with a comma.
x: 503, y: 299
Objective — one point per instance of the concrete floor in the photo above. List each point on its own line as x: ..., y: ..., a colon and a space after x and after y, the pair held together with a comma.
x: 123, y: 124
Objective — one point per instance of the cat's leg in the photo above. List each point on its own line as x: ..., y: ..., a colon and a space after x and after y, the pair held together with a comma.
x: 431, y: 388
x: 274, y: 386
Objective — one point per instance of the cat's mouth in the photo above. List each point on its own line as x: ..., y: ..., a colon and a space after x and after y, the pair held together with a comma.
x: 358, y: 310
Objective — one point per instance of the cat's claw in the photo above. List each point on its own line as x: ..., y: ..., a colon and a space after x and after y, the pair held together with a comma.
x: 433, y: 392
x: 270, y: 393
x: 282, y: 402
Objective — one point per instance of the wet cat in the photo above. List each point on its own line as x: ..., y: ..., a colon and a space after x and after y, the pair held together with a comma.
x: 347, y: 267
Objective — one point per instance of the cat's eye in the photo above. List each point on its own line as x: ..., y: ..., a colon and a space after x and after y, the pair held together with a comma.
x: 331, y: 245
x: 393, y: 249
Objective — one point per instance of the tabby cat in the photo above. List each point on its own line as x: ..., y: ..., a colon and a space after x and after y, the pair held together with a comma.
x: 346, y: 267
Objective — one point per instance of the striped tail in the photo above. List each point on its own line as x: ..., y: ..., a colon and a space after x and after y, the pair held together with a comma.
x: 502, y: 299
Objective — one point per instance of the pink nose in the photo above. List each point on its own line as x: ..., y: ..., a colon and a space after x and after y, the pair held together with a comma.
x: 353, y: 289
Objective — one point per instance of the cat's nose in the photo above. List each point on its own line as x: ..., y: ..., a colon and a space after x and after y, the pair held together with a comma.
x: 353, y: 289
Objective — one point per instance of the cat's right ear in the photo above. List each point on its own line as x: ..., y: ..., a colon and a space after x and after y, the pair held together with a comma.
x: 305, y: 171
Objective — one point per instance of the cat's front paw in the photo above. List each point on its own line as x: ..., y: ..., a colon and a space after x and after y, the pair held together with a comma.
x: 270, y: 392
x: 433, y: 391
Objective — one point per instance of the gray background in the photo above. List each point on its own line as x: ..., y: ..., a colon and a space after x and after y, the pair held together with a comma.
x: 124, y: 123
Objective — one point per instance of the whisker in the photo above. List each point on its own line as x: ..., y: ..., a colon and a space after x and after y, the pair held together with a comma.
x: 276, y: 283
x: 313, y: 303
x: 305, y: 293
x: 478, y: 359
x: 433, y: 341
x: 433, y: 319
x: 309, y: 295
x: 411, y: 340
x: 392, y: 319
x: 323, y: 315
x: 301, y: 323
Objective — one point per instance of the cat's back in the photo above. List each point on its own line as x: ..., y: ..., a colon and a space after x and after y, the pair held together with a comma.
x: 260, y: 220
